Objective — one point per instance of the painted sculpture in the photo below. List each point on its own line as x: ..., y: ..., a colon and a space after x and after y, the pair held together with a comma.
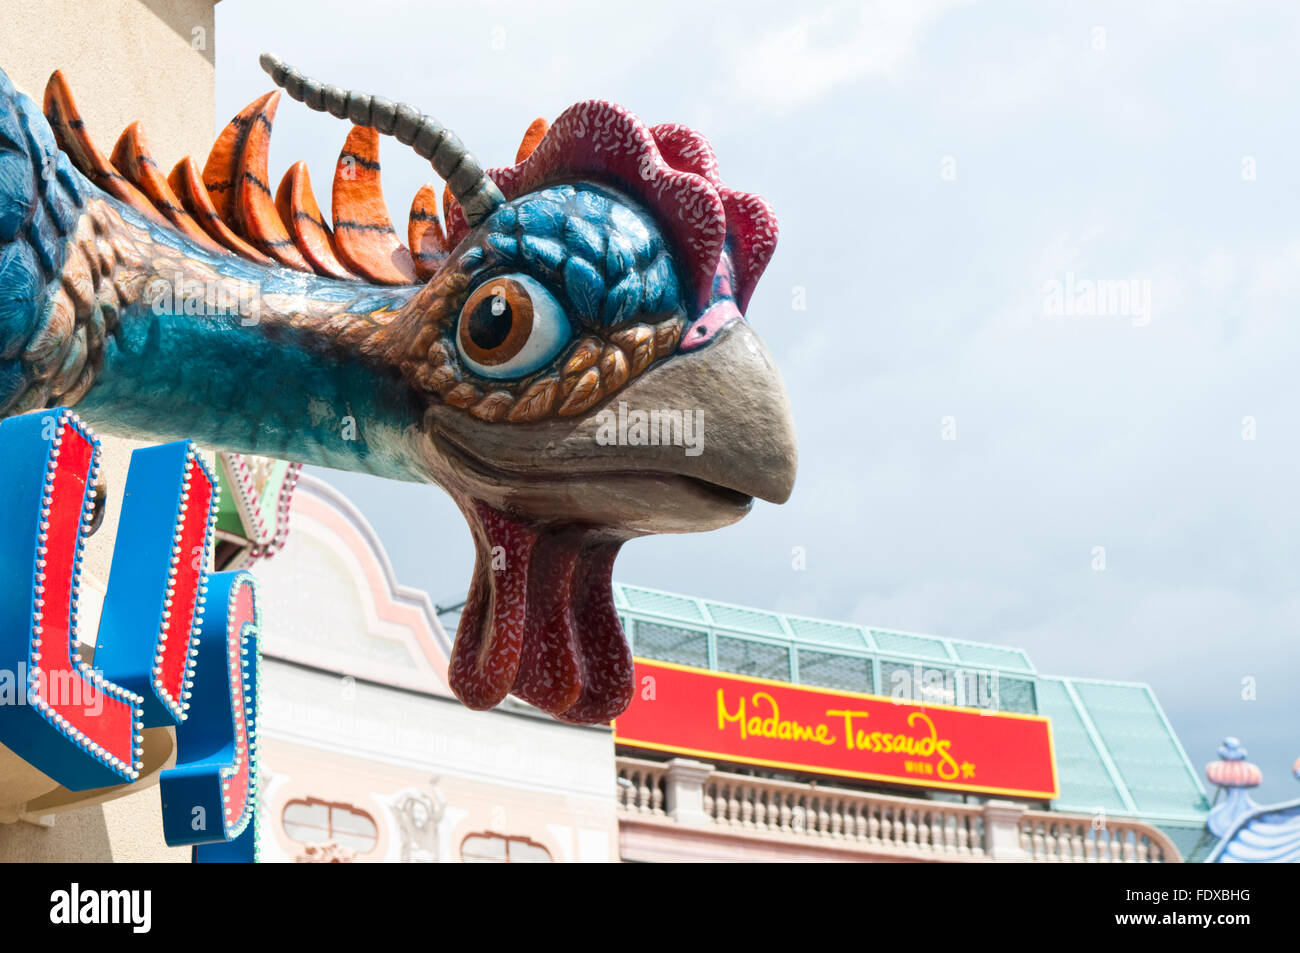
x: 537, y: 348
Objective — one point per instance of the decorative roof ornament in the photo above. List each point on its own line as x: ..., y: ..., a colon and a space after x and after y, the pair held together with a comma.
x: 1234, y: 774
x: 1233, y: 770
x: 1249, y: 832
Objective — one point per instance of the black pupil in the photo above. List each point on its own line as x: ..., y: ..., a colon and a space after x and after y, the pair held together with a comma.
x: 490, y: 322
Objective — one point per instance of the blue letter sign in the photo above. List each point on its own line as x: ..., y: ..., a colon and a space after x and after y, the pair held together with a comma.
x: 213, y: 787
x: 161, y: 659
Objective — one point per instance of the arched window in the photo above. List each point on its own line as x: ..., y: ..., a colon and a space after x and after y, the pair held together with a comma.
x: 489, y: 848
x: 313, y: 821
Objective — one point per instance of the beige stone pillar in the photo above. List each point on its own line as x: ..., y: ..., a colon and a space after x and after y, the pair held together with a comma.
x: 1002, y: 830
x: 684, y: 790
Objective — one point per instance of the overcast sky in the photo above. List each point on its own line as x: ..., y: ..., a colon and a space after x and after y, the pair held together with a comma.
x: 935, y: 167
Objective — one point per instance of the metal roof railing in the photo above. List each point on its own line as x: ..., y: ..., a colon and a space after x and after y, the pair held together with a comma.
x: 639, y: 600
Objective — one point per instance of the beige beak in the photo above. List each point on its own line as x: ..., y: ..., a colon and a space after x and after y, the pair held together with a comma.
x: 716, y: 416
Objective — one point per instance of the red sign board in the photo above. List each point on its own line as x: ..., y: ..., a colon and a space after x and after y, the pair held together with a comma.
x: 757, y: 721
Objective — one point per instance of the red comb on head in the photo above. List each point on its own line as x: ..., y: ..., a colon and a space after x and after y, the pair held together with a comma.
x: 671, y: 169
x: 751, y: 224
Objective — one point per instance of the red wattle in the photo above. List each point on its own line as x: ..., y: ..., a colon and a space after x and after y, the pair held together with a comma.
x: 608, y: 680
x: 550, y: 668
x: 485, y: 659
x: 540, y: 621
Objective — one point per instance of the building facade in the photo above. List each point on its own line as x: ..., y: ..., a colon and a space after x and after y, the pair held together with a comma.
x: 370, y: 759
x: 368, y: 752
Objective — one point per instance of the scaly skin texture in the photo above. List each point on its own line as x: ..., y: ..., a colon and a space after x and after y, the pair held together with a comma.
x: 619, y: 283
x: 610, y: 272
x: 176, y: 321
x: 270, y: 364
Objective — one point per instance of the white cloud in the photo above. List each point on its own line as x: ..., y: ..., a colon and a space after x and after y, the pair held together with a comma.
x: 805, y: 60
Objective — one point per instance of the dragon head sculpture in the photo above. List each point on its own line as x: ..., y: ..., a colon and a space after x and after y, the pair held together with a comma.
x: 560, y: 344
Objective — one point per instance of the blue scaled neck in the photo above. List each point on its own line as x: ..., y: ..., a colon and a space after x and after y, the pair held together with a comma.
x: 255, y: 359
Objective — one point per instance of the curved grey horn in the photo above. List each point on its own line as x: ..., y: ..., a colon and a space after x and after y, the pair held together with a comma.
x: 477, y: 194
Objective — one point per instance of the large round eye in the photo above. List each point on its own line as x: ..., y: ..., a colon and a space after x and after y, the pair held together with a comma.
x: 510, y: 326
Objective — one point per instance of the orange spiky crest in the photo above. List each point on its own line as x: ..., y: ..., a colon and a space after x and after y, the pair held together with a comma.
x: 228, y: 207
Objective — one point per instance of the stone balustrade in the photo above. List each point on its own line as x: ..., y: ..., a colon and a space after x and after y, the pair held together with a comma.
x: 1078, y: 838
x: 694, y: 794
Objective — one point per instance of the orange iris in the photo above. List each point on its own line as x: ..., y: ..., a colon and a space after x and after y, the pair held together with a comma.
x: 496, y: 322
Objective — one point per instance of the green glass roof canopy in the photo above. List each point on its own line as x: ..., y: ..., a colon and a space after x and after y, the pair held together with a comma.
x: 840, y: 655
x: 1116, y: 753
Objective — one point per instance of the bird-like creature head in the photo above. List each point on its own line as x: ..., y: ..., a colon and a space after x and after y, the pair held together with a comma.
x: 561, y: 344
x: 596, y: 381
